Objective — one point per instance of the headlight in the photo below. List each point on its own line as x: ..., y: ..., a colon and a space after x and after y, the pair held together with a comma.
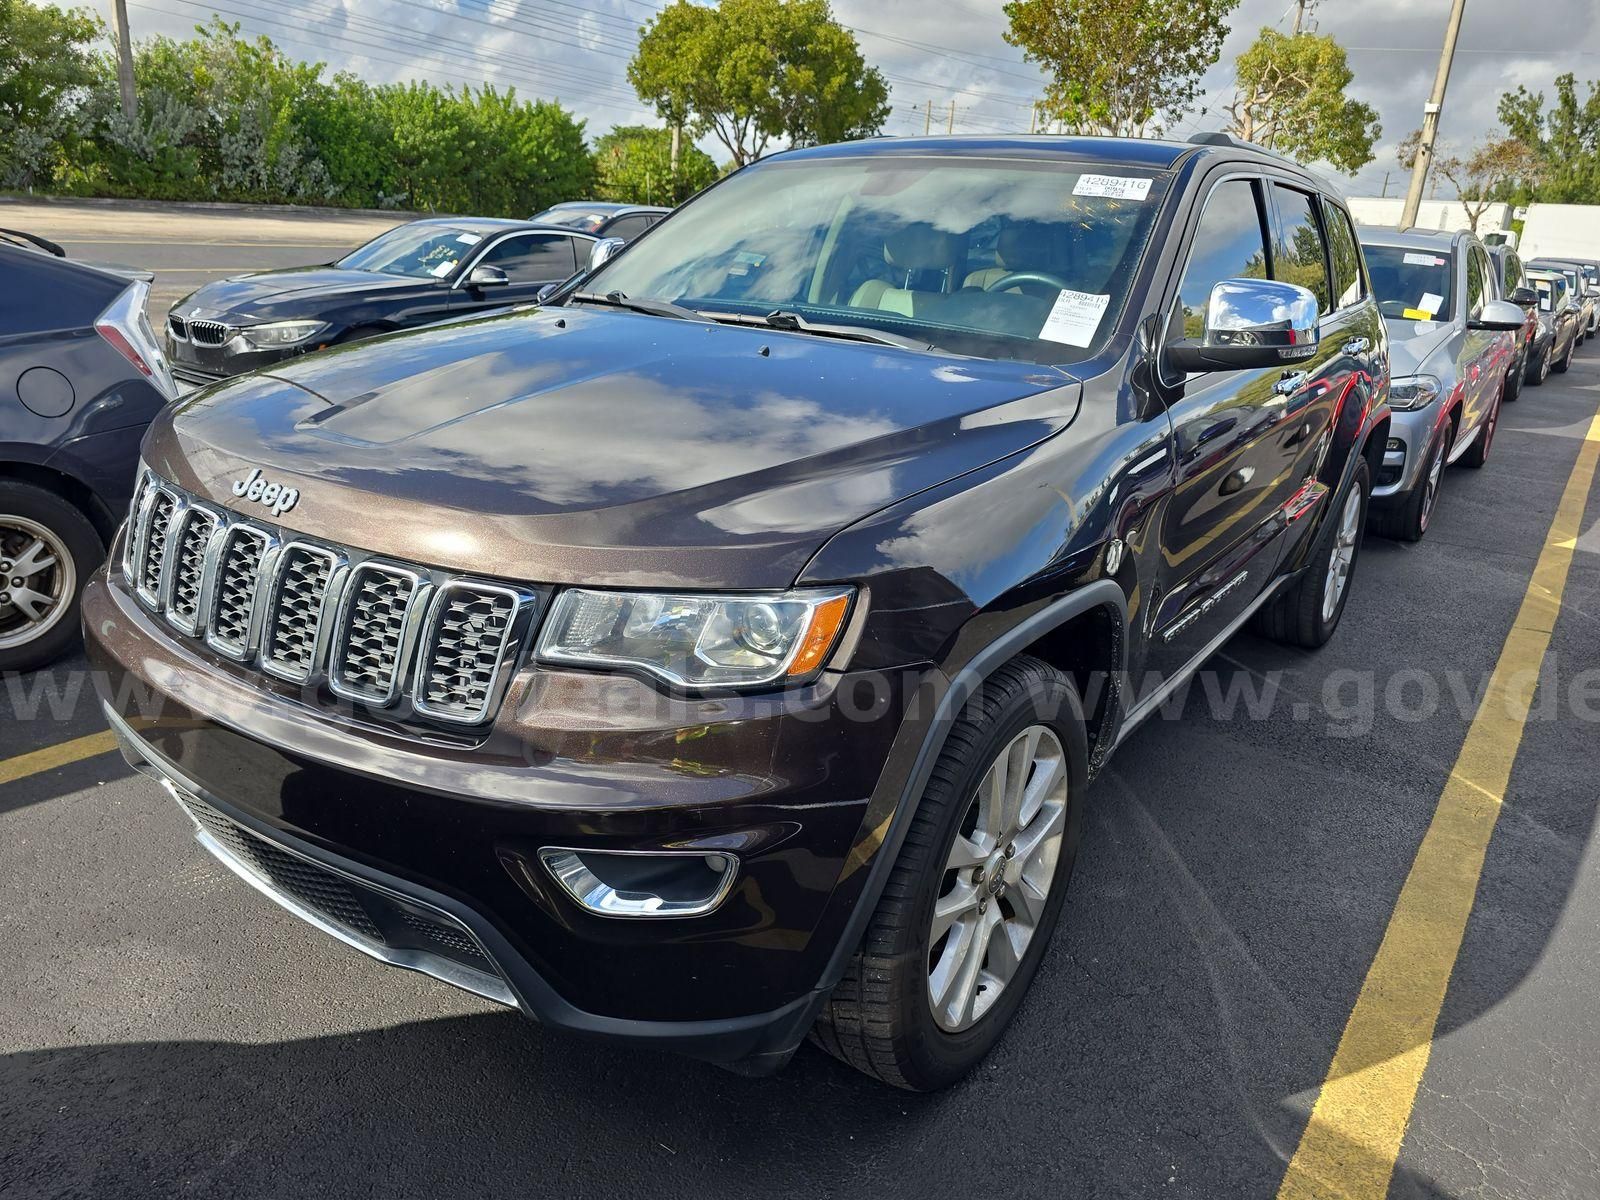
x: 280, y: 333
x: 1413, y: 391
x: 697, y: 640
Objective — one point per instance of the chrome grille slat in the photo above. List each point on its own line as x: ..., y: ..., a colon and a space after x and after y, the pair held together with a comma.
x: 188, y: 570
x: 207, y: 333
x: 233, y: 595
x: 468, y: 633
x: 380, y: 602
x: 294, y: 629
x: 386, y: 635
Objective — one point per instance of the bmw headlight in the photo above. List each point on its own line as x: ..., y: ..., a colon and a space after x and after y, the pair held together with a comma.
x: 276, y: 334
x: 698, y: 640
x: 1413, y: 391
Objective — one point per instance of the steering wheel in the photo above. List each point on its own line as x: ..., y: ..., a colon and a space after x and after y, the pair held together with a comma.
x: 1041, y: 279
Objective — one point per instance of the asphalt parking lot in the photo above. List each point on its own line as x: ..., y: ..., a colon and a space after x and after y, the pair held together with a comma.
x: 168, y: 1032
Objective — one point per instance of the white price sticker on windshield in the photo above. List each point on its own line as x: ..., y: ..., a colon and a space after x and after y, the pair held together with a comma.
x: 1430, y: 303
x: 468, y: 239
x: 440, y: 270
x: 1117, y: 187
x: 1074, y: 318
x: 1424, y: 260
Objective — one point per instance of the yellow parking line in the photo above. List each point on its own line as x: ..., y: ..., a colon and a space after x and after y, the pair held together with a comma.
x: 1349, y: 1148
x: 60, y: 755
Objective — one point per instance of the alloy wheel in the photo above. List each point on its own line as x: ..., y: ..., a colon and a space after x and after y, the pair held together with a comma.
x: 997, y: 878
x: 1344, y: 554
x: 37, y: 580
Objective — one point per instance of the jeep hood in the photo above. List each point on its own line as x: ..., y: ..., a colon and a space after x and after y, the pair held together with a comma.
x: 586, y: 445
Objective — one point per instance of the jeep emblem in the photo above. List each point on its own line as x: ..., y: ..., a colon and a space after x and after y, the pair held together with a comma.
x: 274, y: 496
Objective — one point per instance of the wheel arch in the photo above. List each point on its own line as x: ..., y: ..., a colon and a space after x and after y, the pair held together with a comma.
x: 71, y: 489
x: 1048, y: 631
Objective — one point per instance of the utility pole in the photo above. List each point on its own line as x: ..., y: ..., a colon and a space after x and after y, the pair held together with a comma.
x: 1430, y: 118
x: 927, y: 119
x: 130, y: 99
x: 952, y: 126
x: 1300, y: 17
x: 1385, y: 192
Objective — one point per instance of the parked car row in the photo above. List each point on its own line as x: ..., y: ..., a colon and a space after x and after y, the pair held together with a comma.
x: 739, y: 627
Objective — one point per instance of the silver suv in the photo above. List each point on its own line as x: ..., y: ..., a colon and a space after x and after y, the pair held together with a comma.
x: 1452, y: 347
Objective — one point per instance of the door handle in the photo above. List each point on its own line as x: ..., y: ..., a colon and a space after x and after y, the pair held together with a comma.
x: 1358, y: 345
x: 1291, y: 383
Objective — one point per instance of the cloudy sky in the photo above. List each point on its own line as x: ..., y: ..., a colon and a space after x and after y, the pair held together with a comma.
x: 934, y: 52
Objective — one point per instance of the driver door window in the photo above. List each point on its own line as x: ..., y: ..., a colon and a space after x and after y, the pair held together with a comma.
x: 1301, y: 253
x: 1229, y: 243
x: 537, y: 258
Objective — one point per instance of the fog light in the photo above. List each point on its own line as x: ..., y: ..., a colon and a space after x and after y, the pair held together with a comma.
x: 647, y: 883
x: 1395, y: 444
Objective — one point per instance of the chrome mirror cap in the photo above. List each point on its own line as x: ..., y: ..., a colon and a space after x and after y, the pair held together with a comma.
x: 604, y: 251
x: 1252, y: 324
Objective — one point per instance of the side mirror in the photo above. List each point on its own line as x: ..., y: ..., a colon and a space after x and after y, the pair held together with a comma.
x: 1251, y: 324
x: 603, y: 251
x: 1500, y: 316
x: 544, y: 293
x: 1524, y: 297
x: 487, y: 277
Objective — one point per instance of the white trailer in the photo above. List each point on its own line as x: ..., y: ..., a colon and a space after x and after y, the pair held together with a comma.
x: 1445, y: 215
x: 1561, y: 231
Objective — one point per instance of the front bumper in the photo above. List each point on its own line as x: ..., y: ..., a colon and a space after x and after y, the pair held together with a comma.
x: 197, y: 365
x: 450, y: 833
x: 1405, y: 456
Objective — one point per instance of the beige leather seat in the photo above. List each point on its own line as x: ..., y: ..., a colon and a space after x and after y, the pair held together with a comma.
x: 1016, y: 246
x: 916, y: 248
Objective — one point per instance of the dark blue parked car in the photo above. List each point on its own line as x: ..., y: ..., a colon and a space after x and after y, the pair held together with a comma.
x: 81, y: 376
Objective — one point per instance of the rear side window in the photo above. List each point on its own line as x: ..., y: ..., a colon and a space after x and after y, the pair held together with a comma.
x: 1301, y: 255
x: 538, y: 258
x: 1229, y: 243
x: 1344, y: 255
x: 1477, y: 281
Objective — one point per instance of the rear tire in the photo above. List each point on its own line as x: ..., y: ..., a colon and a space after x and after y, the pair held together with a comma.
x: 1307, y: 614
x: 1541, y: 369
x: 881, y: 1017
x: 50, y: 546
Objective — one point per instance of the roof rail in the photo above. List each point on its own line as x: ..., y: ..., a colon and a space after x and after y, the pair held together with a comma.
x: 1216, y: 137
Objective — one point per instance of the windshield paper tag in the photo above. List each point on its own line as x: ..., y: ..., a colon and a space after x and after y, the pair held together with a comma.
x: 440, y: 270
x: 468, y: 239
x: 1424, y: 260
x: 1117, y: 187
x: 1430, y: 303
x: 1074, y: 318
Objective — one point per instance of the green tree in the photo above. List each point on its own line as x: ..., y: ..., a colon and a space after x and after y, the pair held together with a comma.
x: 634, y: 166
x: 750, y: 71
x: 1122, y: 67
x: 1565, y: 142
x: 1290, y: 96
x: 1487, y: 174
x: 46, y: 60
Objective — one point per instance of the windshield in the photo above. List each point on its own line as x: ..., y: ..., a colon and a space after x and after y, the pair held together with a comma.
x: 1411, y: 284
x: 574, y: 217
x: 1549, y: 293
x: 1003, y: 259
x: 419, y: 251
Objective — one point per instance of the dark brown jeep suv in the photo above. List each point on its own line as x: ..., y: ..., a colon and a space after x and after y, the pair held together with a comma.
x: 721, y: 650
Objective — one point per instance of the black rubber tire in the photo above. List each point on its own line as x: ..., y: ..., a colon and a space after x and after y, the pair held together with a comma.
x: 1295, y: 618
x: 1405, y: 522
x: 1560, y: 368
x: 1478, y: 453
x: 878, y: 1019
x: 88, y: 552
x: 1541, y: 371
x: 1513, y: 388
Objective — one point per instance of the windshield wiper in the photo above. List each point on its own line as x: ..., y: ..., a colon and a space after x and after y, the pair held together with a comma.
x: 639, y: 304
x: 793, y: 322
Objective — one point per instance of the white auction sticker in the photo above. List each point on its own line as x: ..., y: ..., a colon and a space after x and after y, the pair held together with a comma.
x: 1430, y: 303
x: 440, y: 270
x: 1118, y: 187
x: 470, y: 239
x: 1074, y: 318
x: 1424, y: 260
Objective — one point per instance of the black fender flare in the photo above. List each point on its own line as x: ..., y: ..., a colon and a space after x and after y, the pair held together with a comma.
x: 1102, y: 594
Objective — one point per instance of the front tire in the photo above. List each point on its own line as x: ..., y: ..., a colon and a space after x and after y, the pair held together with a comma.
x: 1560, y: 368
x: 48, y: 550
x: 1408, y: 521
x: 1478, y: 453
x: 1514, y: 377
x: 1541, y: 369
x: 1307, y: 614
x: 963, y: 924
